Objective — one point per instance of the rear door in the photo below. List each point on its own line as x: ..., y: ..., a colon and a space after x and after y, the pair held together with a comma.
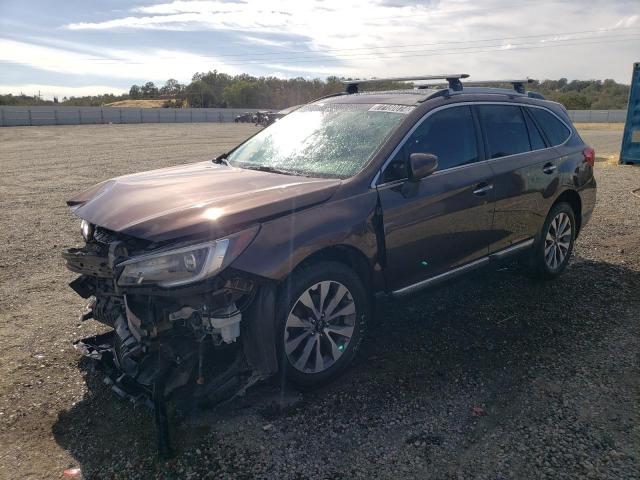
x: 444, y: 220
x: 525, y: 170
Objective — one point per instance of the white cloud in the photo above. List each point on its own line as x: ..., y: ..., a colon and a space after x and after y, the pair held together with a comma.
x: 267, y: 42
x: 629, y: 21
x: 335, y: 28
x: 318, y: 70
x: 189, y: 6
x: 149, y: 64
x: 349, y: 38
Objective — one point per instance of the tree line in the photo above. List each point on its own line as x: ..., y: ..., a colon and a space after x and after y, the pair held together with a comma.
x: 216, y: 89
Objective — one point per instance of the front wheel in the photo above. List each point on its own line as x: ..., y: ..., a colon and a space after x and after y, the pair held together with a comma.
x: 554, y: 246
x: 322, y: 316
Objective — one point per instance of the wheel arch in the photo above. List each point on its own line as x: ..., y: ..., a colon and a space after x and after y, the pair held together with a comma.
x: 572, y: 198
x: 348, y: 255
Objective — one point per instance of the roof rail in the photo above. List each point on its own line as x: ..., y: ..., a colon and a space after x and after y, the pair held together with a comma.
x: 453, y: 79
x: 518, y: 85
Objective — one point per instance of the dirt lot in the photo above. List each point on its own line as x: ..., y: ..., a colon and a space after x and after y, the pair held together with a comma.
x: 605, y: 138
x: 493, y: 377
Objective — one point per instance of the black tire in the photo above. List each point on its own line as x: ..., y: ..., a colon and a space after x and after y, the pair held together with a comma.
x: 541, y: 265
x: 301, y: 281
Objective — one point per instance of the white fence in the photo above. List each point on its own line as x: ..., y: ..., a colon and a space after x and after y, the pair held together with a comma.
x: 598, y: 116
x: 16, y: 116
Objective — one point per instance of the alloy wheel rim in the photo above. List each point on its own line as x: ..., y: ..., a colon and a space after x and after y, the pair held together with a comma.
x: 557, y: 241
x: 319, y: 327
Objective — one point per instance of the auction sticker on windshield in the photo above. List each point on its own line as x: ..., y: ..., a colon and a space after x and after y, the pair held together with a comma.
x: 383, y: 107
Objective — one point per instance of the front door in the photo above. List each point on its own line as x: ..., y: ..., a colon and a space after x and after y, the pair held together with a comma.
x: 444, y: 220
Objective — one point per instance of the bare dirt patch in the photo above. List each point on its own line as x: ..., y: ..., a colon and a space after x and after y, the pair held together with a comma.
x: 137, y: 104
x: 494, y: 376
x: 619, y: 127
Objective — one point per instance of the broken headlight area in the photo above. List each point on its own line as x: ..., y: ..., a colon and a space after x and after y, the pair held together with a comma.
x: 184, y: 325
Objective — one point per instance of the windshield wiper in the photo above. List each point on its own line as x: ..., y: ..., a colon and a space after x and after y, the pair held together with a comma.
x: 265, y: 168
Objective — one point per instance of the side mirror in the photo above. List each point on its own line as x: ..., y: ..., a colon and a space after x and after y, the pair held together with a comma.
x: 422, y: 165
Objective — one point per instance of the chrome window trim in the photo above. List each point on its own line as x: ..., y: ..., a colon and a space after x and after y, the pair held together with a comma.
x: 378, y: 175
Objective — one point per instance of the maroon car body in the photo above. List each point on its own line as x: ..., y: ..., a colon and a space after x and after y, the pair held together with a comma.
x: 379, y: 231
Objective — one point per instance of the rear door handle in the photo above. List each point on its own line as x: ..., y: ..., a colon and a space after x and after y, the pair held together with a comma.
x: 549, y: 168
x: 482, y: 188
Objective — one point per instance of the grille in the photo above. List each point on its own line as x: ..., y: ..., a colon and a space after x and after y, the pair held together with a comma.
x: 105, y: 236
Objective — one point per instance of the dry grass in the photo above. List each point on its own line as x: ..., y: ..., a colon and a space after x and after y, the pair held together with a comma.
x: 600, y: 126
x: 137, y: 104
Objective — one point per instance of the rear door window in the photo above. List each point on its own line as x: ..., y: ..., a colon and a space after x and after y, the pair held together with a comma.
x: 555, y: 131
x: 537, y: 142
x: 449, y: 134
x: 505, y: 131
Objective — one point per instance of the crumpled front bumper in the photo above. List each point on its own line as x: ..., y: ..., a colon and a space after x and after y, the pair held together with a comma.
x: 101, y: 349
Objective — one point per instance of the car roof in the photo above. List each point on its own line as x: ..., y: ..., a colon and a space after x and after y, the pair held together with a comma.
x: 391, y: 97
x: 413, y: 97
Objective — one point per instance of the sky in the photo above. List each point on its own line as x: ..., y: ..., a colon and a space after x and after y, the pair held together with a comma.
x: 88, y: 47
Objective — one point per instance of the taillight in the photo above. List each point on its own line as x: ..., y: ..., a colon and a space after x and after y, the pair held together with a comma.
x: 589, y: 155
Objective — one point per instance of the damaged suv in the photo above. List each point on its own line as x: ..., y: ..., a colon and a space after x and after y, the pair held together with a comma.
x: 276, y: 250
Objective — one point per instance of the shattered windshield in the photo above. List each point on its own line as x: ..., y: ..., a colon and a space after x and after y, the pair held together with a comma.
x: 320, y: 140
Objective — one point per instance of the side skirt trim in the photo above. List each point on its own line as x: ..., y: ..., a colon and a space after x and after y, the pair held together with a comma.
x: 500, y: 255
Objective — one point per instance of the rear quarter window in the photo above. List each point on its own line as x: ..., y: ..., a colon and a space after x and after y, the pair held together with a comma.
x: 537, y: 143
x: 555, y: 131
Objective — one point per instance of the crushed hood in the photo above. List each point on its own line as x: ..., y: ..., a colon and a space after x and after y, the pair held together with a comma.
x: 197, y: 200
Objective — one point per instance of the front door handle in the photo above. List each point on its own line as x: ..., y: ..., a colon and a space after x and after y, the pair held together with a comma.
x: 482, y: 188
x: 549, y: 168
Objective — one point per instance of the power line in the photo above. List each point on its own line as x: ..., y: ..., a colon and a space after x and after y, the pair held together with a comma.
x: 374, y: 50
x: 401, y: 54
x: 412, y: 53
x: 423, y: 44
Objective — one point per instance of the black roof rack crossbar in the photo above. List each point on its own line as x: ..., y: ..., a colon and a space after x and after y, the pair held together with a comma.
x: 518, y: 85
x: 453, y: 79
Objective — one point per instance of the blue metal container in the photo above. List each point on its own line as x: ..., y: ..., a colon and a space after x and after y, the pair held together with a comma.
x: 630, y: 151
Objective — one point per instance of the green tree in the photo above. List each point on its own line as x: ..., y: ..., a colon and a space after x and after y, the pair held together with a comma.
x: 149, y: 90
x: 171, y: 87
x: 135, y: 92
x: 574, y: 101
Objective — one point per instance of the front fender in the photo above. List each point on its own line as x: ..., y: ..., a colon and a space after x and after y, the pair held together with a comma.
x: 283, y: 243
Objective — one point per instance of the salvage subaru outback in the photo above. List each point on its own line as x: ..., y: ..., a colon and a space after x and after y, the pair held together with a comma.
x: 278, y: 248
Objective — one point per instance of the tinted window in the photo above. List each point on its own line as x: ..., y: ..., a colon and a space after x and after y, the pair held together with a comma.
x: 553, y: 128
x: 504, y: 130
x: 449, y: 134
x: 535, y: 137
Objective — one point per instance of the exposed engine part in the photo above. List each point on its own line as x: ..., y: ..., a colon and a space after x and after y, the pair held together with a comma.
x: 225, y: 325
x: 107, y: 309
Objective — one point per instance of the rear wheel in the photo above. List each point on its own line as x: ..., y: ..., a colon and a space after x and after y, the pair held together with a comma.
x: 322, y: 315
x: 554, y: 246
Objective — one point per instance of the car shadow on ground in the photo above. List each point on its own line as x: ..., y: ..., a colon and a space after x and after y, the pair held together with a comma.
x: 494, y: 325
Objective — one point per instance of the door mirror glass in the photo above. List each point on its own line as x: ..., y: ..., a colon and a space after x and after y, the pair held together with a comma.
x: 422, y: 165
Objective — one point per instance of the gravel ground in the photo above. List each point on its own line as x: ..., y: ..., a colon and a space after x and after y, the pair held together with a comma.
x: 492, y: 377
